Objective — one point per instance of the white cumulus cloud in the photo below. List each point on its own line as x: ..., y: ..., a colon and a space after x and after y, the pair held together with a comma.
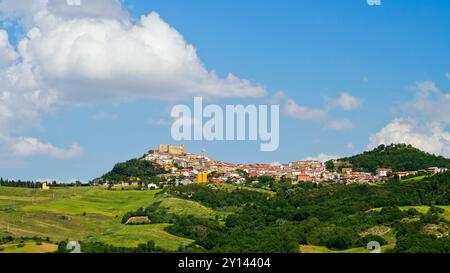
x: 7, y: 53
x: 433, y: 139
x: 29, y: 11
x: 24, y: 147
x: 82, y: 52
x: 90, y: 60
x: 112, y: 57
x: 294, y: 110
x: 422, y: 122
x: 322, y: 157
x: 346, y: 102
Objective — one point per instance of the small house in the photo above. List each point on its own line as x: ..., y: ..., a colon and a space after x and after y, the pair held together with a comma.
x: 152, y: 187
x: 383, y: 172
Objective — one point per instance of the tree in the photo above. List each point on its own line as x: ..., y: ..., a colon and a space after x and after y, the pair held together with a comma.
x: 398, y: 157
x: 142, y: 169
x: 339, y: 241
x: 266, y: 179
x: 330, y: 165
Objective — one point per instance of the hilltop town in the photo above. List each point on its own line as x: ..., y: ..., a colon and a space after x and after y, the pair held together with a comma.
x: 159, y: 203
x: 183, y: 168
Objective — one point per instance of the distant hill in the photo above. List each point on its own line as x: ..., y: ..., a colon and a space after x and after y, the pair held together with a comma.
x: 135, y: 168
x: 398, y: 157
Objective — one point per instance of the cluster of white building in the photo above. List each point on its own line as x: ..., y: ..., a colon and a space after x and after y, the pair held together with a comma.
x: 186, y: 168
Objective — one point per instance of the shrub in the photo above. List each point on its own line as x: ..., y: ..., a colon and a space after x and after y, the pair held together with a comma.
x: 372, y: 238
x: 338, y: 241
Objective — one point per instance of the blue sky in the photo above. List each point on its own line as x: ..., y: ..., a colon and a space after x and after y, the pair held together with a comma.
x: 385, y: 58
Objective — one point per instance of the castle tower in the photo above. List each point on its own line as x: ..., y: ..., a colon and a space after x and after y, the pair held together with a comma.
x: 172, y: 150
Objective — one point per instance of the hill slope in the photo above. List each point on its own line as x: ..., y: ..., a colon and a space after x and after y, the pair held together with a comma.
x: 398, y: 157
x: 122, y: 172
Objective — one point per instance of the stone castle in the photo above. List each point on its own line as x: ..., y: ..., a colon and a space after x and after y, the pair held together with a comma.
x: 172, y: 150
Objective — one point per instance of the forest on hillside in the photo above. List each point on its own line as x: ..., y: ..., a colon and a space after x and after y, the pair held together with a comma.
x: 143, y: 170
x: 398, y: 157
x: 337, y: 217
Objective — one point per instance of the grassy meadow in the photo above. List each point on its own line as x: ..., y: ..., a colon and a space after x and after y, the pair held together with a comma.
x: 133, y: 235
x: 94, y: 214
x: 324, y: 249
x: 424, y: 210
x: 82, y: 213
x: 28, y: 247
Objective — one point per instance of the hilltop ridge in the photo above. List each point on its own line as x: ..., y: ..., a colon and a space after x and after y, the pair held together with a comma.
x: 398, y: 157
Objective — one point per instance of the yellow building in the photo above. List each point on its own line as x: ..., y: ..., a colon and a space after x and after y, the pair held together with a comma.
x: 202, y: 178
x: 135, y: 179
x: 45, y: 187
x: 347, y: 171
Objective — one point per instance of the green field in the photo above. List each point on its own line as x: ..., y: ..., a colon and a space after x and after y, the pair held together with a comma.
x: 132, y: 236
x: 94, y: 214
x: 416, y: 178
x: 424, y: 210
x: 323, y: 249
x: 28, y: 247
x: 96, y: 201
x: 55, y: 226
x: 88, y: 212
x: 231, y: 187
x: 187, y: 207
x: 387, y: 233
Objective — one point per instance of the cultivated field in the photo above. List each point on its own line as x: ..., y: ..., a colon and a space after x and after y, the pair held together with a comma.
x: 132, y: 236
x: 28, y: 247
x: 85, y: 213
x: 95, y: 214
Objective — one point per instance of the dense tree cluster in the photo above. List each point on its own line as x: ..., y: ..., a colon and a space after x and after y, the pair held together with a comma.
x: 135, y: 168
x: 20, y: 241
x: 37, y: 185
x: 398, y: 157
x: 98, y: 247
x: 20, y: 184
x: 214, y: 198
x: 334, y: 216
x: 411, y: 239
